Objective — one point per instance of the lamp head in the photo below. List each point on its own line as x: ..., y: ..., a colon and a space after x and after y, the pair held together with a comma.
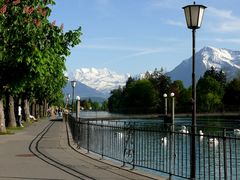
x: 194, y: 15
x: 73, y: 83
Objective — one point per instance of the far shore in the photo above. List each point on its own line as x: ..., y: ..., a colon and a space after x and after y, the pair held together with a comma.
x: 235, y: 115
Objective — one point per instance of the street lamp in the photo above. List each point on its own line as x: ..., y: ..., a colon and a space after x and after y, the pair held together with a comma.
x: 193, y: 14
x: 73, y: 83
x: 165, y: 98
x: 67, y: 99
x: 173, y: 111
x: 77, y: 108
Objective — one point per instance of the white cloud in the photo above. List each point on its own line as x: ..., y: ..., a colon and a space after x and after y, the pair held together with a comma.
x: 175, y: 23
x: 226, y: 14
x: 149, y: 51
x: 223, y: 21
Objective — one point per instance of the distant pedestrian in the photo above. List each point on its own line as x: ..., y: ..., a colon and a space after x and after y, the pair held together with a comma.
x: 19, y: 118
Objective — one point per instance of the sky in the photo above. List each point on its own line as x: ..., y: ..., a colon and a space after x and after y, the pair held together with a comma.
x: 135, y: 36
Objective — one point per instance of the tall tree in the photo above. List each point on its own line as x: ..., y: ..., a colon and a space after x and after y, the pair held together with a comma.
x: 209, y: 94
x: 232, y: 93
x: 142, y: 96
x: 30, y: 43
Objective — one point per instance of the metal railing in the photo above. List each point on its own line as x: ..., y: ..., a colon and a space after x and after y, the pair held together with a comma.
x: 162, y: 148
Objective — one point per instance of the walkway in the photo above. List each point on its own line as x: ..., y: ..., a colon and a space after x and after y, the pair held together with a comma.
x: 42, y: 152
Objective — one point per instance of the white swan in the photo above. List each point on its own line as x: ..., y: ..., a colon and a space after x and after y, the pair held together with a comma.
x: 201, y: 133
x: 183, y: 130
x: 236, y: 131
x: 213, y: 141
x: 164, y: 140
x: 119, y: 134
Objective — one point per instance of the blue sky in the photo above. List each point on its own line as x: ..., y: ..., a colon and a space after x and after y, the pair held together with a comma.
x: 133, y: 36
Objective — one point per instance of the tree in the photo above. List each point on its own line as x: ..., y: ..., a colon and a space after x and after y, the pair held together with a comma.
x: 182, y: 96
x: 141, y: 96
x: 161, y: 84
x: 32, y: 47
x: 219, y: 76
x: 232, y: 93
x: 104, y: 106
x: 209, y: 94
x: 115, y: 101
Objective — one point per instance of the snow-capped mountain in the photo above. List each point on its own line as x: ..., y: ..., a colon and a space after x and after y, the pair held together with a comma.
x: 225, y: 59
x: 84, y: 92
x: 102, y: 80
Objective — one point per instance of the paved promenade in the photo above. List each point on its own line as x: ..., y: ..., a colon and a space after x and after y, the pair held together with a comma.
x: 42, y: 152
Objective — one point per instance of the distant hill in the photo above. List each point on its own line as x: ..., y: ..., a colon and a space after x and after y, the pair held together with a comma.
x: 85, y: 92
x: 225, y: 59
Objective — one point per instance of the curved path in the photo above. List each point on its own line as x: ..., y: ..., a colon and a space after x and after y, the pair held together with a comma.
x: 43, y: 152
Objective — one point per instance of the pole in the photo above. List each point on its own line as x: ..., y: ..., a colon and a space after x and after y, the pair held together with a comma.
x: 173, y: 114
x: 165, y: 106
x: 72, y: 98
x: 193, y: 151
x: 78, y: 108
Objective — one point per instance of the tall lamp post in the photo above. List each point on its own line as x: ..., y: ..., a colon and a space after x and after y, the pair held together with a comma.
x: 165, y: 104
x: 77, y: 108
x: 73, y: 83
x: 193, y: 14
x: 173, y: 112
x: 67, y: 100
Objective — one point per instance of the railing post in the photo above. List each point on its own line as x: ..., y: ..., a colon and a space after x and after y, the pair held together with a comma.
x: 170, y: 150
x: 124, y: 141
x: 171, y: 141
x: 134, y: 125
x: 102, y: 129
x: 88, y: 135
x: 225, y: 154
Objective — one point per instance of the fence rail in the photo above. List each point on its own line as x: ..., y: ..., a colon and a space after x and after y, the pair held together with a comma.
x: 162, y: 148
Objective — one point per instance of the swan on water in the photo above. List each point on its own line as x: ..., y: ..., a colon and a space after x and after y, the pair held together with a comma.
x: 184, y: 129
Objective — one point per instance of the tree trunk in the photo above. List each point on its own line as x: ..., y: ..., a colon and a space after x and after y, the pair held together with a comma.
x: 2, y: 119
x: 26, y: 110
x: 37, y: 111
x: 45, y: 108
x: 11, y: 112
x: 41, y: 110
x: 34, y: 108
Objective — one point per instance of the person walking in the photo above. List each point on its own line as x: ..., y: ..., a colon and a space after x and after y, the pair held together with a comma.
x: 19, y: 123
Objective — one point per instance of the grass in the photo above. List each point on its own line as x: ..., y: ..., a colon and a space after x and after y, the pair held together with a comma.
x: 13, y: 130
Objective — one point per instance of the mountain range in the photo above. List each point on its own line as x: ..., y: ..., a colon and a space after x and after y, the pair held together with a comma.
x: 102, y: 80
x: 98, y: 83
x: 219, y: 58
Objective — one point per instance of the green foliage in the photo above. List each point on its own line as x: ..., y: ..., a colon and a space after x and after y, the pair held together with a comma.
x: 115, y: 101
x: 209, y: 94
x: 34, y: 49
x: 146, y: 95
x: 139, y: 95
x: 219, y: 76
x: 104, y: 106
x: 95, y: 106
x: 232, y: 93
x: 182, y: 97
